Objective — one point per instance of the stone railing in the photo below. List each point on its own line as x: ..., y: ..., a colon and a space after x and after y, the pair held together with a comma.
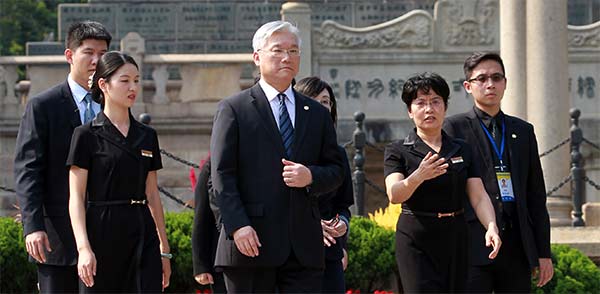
x: 204, y: 77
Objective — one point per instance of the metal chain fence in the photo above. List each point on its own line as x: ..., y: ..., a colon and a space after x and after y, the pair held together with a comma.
x: 7, y: 189
x: 179, y: 159
x: 173, y: 197
x: 565, y: 141
x: 376, y: 187
x: 592, y: 183
x: 562, y: 183
x: 591, y: 143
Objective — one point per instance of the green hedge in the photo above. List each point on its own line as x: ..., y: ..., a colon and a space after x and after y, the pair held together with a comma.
x: 573, y: 273
x: 371, y: 260
x: 17, y: 275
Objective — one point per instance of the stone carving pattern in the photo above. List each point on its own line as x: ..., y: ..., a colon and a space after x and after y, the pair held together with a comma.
x: 471, y: 23
x: 414, y: 32
x: 581, y: 39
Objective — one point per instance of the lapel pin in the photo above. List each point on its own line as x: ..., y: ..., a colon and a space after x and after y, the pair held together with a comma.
x: 305, y: 107
x: 146, y: 153
x: 514, y: 136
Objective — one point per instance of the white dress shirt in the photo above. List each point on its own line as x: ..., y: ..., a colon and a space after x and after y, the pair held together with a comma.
x: 272, y: 93
x: 78, y: 94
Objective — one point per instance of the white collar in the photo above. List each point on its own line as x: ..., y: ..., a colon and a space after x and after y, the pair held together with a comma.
x: 77, y: 90
x: 272, y: 93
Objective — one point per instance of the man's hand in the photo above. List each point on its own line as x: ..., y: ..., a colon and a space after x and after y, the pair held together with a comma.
x: 493, y: 239
x: 545, y: 272
x: 295, y: 174
x: 35, y: 243
x: 345, y: 260
x: 246, y: 241
x: 204, y: 279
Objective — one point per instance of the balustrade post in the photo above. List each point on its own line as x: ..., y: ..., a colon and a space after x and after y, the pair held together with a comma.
x: 360, y: 140
x: 577, y: 171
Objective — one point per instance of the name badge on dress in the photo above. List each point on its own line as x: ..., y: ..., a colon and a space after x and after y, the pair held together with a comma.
x: 505, y: 185
x: 456, y: 160
x: 146, y: 153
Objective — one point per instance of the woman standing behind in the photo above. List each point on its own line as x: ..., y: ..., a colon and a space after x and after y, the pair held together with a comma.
x: 115, y: 208
x: 431, y: 174
x: 333, y: 207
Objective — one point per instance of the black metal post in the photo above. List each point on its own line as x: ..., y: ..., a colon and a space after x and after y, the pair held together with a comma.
x: 577, y: 171
x: 360, y: 140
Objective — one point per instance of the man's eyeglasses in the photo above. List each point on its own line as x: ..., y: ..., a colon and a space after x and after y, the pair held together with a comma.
x: 281, y: 53
x: 497, y: 77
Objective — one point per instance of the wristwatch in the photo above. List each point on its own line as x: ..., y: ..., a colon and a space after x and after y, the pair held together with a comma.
x: 166, y: 255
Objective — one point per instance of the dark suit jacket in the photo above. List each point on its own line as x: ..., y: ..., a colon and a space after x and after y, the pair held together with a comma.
x: 204, y: 230
x: 40, y: 172
x: 338, y: 202
x: 527, y: 180
x: 246, y: 152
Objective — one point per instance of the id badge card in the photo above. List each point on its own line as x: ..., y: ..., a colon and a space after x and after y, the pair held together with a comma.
x: 506, y: 188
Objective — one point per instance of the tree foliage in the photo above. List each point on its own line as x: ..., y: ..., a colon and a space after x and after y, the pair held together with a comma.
x: 22, y: 21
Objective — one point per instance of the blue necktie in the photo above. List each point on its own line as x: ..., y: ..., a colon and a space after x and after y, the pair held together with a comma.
x: 285, y: 126
x: 89, y: 114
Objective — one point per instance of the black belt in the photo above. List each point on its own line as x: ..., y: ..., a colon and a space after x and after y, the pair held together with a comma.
x: 118, y: 202
x: 432, y: 214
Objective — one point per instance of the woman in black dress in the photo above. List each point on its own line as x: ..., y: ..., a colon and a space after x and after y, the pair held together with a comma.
x: 431, y: 174
x: 115, y: 208
x: 334, y: 207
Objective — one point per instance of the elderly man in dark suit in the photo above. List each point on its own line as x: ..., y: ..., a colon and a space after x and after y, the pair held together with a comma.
x: 512, y: 175
x: 42, y: 147
x: 273, y: 151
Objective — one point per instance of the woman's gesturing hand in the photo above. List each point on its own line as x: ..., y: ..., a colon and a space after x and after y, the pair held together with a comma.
x: 431, y: 166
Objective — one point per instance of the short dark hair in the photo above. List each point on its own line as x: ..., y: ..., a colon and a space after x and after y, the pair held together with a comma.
x: 476, y: 58
x: 425, y: 82
x: 84, y: 30
x: 313, y: 86
x: 108, y: 64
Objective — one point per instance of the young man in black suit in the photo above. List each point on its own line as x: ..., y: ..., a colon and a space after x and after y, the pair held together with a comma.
x: 512, y: 175
x: 42, y: 147
x: 273, y: 151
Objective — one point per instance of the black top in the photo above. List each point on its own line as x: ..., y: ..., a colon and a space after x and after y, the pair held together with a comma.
x: 117, y: 165
x: 444, y: 193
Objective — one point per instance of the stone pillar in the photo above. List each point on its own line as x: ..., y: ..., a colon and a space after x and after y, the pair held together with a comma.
x: 548, y: 96
x: 514, y: 55
x: 134, y: 45
x: 299, y: 15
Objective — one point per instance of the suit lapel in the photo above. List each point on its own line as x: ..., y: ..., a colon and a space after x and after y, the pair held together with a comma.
x: 480, y: 138
x: 261, y: 104
x: 303, y: 116
x: 69, y: 105
x: 513, y: 157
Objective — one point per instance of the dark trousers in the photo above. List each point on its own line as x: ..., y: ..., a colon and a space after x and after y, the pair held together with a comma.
x: 58, y: 279
x: 219, y: 283
x: 333, y: 277
x: 508, y: 273
x: 291, y: 277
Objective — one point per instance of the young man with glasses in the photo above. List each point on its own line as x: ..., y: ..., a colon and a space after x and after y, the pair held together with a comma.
x: 512, y: 176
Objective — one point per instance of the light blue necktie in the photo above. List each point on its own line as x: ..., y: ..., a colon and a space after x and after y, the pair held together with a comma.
x: 285, y: 126
x: 89, y: 114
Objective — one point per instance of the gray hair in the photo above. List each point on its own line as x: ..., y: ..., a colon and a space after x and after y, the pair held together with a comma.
x: 265, y: 31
